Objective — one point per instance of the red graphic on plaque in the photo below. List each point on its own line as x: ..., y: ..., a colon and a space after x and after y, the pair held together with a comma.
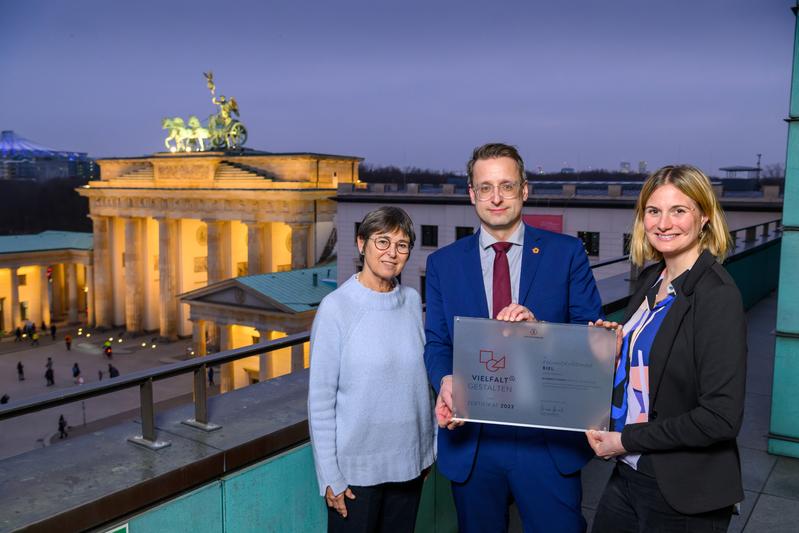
x: 492, y: 364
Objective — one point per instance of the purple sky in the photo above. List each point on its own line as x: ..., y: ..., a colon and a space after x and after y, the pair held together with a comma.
x: 411, y: 83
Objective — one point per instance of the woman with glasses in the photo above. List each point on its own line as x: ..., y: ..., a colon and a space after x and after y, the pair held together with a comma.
x: 369, y: 405
x: 678, y: 393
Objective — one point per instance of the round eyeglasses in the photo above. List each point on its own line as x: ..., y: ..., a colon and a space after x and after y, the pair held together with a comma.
x: 384, y: 243
x: 507, y: 190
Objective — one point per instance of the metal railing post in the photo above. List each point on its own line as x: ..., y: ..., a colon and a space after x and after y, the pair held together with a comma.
x: 200, y: 420
x: 147, y: 438
x: 751, y: 234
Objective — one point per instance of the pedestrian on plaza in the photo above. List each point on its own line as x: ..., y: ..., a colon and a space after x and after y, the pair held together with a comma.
x: 62, y: 427
x: 109, y: 353
x: 4, y: 399
x: 100, y: 375
x: 49, y: 363
x: 75, y: 372
x: 17, y: 334
x: 20, y: 371
x: 49, y: 376
x: 68, y: 341
x: 211, y: 376
x: 35, y: 338
x: 112, y: 371
x: 33, y: 327
x: 44, y: 328
x: 52, y: 330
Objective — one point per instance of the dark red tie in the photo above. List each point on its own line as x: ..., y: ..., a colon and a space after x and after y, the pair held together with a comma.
x: 501, y: 290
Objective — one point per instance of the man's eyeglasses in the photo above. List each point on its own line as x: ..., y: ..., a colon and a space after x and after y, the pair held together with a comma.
x: 507, y: 190
x: 384, y: 243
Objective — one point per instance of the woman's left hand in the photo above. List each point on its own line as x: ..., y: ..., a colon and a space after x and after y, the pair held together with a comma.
x: 606, y: 444
x: 613, y: 326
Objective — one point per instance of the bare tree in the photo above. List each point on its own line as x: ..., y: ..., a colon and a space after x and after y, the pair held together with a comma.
x: 775, y: 170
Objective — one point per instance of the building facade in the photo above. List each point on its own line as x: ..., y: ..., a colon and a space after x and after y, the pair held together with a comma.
x: 170, y: 223
x: 600, y: 215
x: 257, y: 308
x: 45, y: 278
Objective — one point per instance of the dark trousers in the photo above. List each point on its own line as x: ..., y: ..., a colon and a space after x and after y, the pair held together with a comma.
x: 515, y: 464
x: 387, y: 508
x: 633, y: 503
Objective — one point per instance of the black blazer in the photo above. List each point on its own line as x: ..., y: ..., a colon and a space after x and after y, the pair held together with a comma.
x: 697, y: 376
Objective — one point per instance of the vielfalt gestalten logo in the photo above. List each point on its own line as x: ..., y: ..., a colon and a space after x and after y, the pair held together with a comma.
x: 491, y: 363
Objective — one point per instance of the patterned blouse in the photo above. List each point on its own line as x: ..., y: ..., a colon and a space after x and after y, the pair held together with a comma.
x: 631, y: 381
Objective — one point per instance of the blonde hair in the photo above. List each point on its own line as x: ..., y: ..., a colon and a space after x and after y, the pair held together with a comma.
x: 692, y: 182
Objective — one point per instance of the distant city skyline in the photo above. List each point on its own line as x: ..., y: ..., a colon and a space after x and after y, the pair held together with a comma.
x: 573, y: 84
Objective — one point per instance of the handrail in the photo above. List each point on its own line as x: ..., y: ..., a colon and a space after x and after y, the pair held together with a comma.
x: 83, y: 392
x: 613, y: 261
x: 145, y: 378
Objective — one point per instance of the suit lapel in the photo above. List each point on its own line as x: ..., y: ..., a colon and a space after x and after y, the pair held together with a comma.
x: 473, y: 271
x: 672, y: 322
x: 639, y: 295
x: 664, y: 339
x: 532, y: 251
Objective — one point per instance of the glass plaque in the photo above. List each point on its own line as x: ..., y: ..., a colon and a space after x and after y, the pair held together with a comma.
x: 539, y: 374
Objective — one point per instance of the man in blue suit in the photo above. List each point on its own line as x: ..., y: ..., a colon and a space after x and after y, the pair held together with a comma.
x: 509, y: 271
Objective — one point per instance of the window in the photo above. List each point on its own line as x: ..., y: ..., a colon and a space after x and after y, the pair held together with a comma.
x: 23, y: 311
x: 626, y: 244
x: 590, y: 241
x: 463, y: 231
x: 201, y: 264
x: 422, y: 284
x: 23, y: 279
x: 430, y: 236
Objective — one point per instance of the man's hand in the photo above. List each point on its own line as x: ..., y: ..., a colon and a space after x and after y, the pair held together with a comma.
x: 516, y: 313
x: 444, y: 405
x: 337, y: 502
x: 606, y: 444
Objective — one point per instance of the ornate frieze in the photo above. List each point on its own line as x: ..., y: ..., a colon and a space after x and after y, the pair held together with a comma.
x: 288, y: 211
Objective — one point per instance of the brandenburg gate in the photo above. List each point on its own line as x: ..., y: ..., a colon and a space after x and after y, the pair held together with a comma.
x: 173, y: 222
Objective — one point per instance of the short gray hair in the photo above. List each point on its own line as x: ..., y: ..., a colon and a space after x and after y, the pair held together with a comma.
x: 386, y: 219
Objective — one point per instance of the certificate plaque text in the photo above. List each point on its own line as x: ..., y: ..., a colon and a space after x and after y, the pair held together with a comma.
x: 539, y: 374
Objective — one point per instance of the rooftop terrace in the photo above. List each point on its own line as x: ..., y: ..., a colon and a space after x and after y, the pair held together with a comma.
x: 255, y: 473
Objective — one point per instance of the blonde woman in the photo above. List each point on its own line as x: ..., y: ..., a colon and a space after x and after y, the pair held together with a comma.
x: 679, y: 387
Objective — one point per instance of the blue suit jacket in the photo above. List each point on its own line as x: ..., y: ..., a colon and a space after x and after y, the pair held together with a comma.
x: 556, y: 284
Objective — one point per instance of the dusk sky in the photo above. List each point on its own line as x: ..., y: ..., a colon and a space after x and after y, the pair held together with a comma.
x: 410, y: 83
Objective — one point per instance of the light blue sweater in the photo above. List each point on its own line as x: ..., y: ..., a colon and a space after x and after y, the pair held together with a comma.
x: 369, y: 403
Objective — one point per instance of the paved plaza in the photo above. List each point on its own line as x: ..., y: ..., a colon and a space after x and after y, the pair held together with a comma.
x: 39, y: 429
